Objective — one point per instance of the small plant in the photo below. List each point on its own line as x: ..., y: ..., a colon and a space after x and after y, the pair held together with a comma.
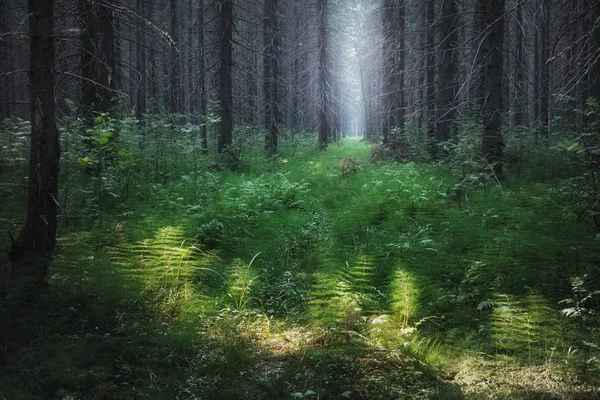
x: 240, y: 284
x: 585, y: 303
x: 304, y: 395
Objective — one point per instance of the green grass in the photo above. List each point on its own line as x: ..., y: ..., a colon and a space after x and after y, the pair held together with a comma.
x: 288, y: 278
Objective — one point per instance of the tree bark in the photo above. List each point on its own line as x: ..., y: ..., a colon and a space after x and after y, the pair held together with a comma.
x: 98, y: 56
x: 430, y: 78
x: 175, y: 97
x: 225, y: 69
x: 492, y: 140
x: 140, y: 37
x: 389, y: 63
x: 399, y: 140
x: 271, y: 22
x: 447, y: 72
x: 323, y: 79
x: 520, y: 95
x: 3, y: 94
x: 202, y: 79
x: 37, y: 238
x: 545, y: 70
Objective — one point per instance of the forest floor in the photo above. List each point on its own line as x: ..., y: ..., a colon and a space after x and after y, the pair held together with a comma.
x: 303, y: 276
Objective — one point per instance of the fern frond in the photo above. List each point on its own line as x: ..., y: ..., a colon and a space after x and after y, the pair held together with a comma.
x: 403, y: 295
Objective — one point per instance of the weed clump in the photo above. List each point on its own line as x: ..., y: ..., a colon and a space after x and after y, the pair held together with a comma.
x: 349, y: 166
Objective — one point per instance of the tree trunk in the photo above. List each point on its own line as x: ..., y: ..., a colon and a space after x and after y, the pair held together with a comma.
x: 88, y: 53
x: 175, y: 97
x: 430, y: 77
x: 98, y: 56
x: 323, y: 79
x: 202, y: 79
x: 389, y: 61
x: 545, y: 70
x: 38, y: 236
x: 447, y: 72
x: 520, y: 95
x: 225, y: 84
x: 492, y: 140
x: 479, y: 59
x: 271, y: 22
x: 399, y: 139
x: 140, y: 37
x: 3, y: 89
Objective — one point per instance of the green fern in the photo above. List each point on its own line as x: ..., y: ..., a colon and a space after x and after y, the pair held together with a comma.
x: 404, y: 296
x: 360, y: 282
x: 523, y: 325
x: 326, y: 299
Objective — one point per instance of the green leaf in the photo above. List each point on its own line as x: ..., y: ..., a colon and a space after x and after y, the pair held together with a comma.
x: 83, y: 161
x: 103, y: 141
x: 346, y: 394
x: 485, y: 305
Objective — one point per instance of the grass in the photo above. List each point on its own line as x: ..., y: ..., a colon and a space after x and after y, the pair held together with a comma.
x: 290, y: 279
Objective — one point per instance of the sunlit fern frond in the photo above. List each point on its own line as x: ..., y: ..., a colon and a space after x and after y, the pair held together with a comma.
x: 119, y: 250
x: 403, y: 295
x: 523, y: 325
x: 166, y: 263
x: 325, y: 298
x: 360, y: 278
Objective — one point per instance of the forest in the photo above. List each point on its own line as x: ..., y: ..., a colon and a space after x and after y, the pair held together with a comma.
x: 301, y: 199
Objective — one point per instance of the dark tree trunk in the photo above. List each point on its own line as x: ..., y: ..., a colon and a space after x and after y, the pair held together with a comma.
x: 494, y: 65
x: 88, y: 54
x: 595, y: 70
x: 271, y: 22
x: 323, y: 79
x: 520, y: 94
x: 98, y: 56
x: 399, y: 139
x: 478, y: 78
x: 3, y: 89
x: 536, y: 74
x: 38, y: 236
x: 545, y: 69
x: 202, y: 79
x: 140, y: 38
x: 225, y: 77
x: 447, y: 71
x: 175, y: 97
x: 389, y: 64
x: 430, y: 78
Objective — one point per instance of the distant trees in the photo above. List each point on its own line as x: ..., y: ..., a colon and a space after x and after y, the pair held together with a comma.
x: 391, y: 70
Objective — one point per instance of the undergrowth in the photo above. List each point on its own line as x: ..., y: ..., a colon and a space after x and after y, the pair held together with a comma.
x: 293, y: 278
